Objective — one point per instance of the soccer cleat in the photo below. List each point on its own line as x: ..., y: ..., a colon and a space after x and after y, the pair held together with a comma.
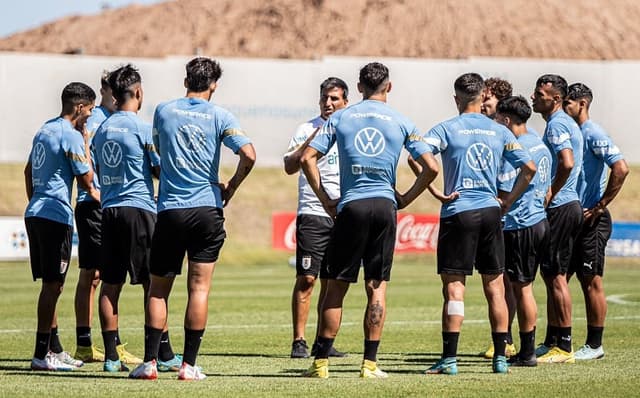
x: 50, y: 363
x: 509, y: 350
x: 370, y: 370
x: 190, y: 373
x: 519, y: 361
x: 333, y: 353
x: 127, y: 357
x: 172, y: 365
x: 586, y: 353
x: 67, y: 359
x: 145, y: 371
x: 499, y: 364
x: 89, y: 354
x: 114, y: 366
x: 318, y: 369
x: 557, y: 355
x: 299, y: 349
x: 445, y: 366
x: 542, y: 349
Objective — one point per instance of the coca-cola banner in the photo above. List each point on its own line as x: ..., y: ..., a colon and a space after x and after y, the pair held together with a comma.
x: 416, y: 232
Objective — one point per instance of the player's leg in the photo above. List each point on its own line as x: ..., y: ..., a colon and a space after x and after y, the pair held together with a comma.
x: 300, y: 305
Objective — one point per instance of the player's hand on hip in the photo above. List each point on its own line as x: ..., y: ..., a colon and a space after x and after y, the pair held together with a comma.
x: 331, y: 207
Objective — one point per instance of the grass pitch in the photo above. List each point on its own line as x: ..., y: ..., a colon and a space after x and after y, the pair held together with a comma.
x: 245, y: 351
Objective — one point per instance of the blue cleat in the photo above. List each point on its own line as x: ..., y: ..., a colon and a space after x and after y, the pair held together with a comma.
x: 445, y: 366
x: 500, y: 365
x: 114, y: 366
x: 172, y: 365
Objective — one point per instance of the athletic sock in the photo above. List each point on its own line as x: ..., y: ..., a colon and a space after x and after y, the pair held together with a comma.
x: 564, y: 340
x: 450, y: 344
x: 192, y: 339
x: 499, y: 343
x: 527, y: 343
x: 594, y: 336
x: 118, y: 341
x: 42, y: 345
x: 371, y: 349
x: 551, y: 339
x: 54, y: 341
x: 165, y: 352
x: 83, y: 336
x: 152, y: 337
x: 509, y: 336
x: 324, y: 346
x: 109, y: 338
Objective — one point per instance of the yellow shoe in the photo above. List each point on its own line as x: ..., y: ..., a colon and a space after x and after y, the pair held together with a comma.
x: 509, y: 351
x: 318, y: 369
x: 489, y: 353
x: 127, y: 357
x: 370, y: 370
x: 557, y: 355
x: 89, y: 354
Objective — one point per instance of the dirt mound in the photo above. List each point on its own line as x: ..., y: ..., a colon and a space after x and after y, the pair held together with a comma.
x: 571, y: 29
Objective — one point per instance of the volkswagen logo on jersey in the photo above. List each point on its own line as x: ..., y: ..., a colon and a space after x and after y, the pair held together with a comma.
x: 39, y: 156
x: 112, y: 154
x: 543, y: 169
x: 479, y: 157
x: 191, y: 137
x: 369, y: 142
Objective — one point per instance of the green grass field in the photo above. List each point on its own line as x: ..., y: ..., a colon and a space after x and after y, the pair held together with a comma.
x: 245, y: 349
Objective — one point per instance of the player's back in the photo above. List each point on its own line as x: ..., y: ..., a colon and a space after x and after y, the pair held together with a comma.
x: 98, y: 115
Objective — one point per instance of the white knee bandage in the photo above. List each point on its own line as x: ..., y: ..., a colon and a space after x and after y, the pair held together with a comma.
x: 455, y: 308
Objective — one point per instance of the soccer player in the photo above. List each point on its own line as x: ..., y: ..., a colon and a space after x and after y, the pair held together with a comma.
x: 59, y: 153
x: 313, y: 224
x: 471, y: 146
x: 189, y: 132
x: 564, y: 212
x: 526, y: 230
x: 88, y: 215
x: 369, y: 136
x: 595, y: 195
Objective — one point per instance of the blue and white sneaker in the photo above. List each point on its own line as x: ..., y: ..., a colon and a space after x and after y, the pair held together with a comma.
x: 50, y: 363
x: 445, y: 366
x: 587, y: 353
x: 172, y: 365
x: 114, y: 366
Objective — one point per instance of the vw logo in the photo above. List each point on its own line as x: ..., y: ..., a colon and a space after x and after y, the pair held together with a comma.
x: 191, y: 137
x: 112, y: 154
x: 479, y: 157
x: 39, y: 156
x: 369, y: 142
x: 543, y: 169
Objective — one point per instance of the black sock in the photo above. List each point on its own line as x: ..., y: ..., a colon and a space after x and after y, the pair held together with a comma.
x: 371, y: 349
x: 527, y: 344
x: 118, y: 341
x: 42, y: 345
x: 152, y: 339
x: 192, y: 339
x: 564, y: 340
x: 551, y: 339
x: 54, y: 341
x: 165, y: 353
x: 594, y: 336
x: 509, y: 336
x: 499, y: 343
x: 324, y: 346
x: 450, y: 344
x: 109, y: 338
x: 83, y: 336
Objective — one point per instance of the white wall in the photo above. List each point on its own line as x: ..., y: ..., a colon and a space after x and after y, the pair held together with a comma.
x: 271, y: 97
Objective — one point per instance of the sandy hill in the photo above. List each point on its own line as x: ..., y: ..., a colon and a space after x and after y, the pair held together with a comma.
x: 572, y: 29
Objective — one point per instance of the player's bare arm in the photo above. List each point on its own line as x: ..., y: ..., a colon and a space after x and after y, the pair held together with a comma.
x: 427, y: 172
x: 247, y: 159
x: 28, y: 180
x: 435, y: 192
x: 527, y: 171
x: 309, y: 165
x: 617, y: 176
x: 292, y: 160
x: 85, y: 181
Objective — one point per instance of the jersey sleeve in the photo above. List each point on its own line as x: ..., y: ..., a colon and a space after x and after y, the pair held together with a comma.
x: 603, y: 148
x: 506, y: 176
x: 513, y: 152
x: 298, y: 139
x: 415, y: 142
x: 559, y: 136
x: 74, y: 151
x: 149, y: 147
x: 231, y: 134
x: 325, y: 138
x: 436, y: 139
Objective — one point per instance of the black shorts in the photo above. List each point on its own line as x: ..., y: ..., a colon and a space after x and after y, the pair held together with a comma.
x: 49, y: 248
x: 198, y: 231
x: 565, y: 223
x: 588, y: 254
x: 523, y: 251
x: 312, y: 239
x: 364, y: 233
x: 126, y: 248
x: 88, y: 216
x: 469, y: 239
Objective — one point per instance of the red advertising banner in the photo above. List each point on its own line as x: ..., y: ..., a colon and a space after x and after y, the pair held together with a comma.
x: 415, y: 232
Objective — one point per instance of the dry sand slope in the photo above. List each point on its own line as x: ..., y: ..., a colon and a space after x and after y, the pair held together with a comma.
x: 572, y: 29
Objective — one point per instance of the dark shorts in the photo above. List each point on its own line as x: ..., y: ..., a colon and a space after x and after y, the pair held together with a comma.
x: 364, y: 233
x: 49, y: 248
x: 471, y: 239
x: 88, y: 216
x: 588, y: 254
x: 198, y: 231
x: 523, y: 251
x: 312, y: 239
x: 126, y: 248
x: 565, y: 223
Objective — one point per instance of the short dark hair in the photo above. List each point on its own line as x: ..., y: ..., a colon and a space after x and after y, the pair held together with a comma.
x: 104, y: 80
x: 334, y: 82
x: 516, y: 107
x: 373, y: 76
x: 469, y: 86
x: 121, y: 80
x: 557, y: 82
x: 499, y: 87
x: 578, y: 91
x: 201, y: 72
x: 77, y: 93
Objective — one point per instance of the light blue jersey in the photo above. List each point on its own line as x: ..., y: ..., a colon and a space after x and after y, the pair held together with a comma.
x: 98, y: 115
x: 57, y: 155
x: 599, y: 154
x: 472, y: 146
x: 188, y: 133
x: 125, y: 154
x: 528, y: 209
x: 370, y: 136
x: 562, y: 132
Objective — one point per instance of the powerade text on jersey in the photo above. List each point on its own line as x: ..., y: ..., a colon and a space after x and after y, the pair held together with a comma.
x: 98, y: 115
